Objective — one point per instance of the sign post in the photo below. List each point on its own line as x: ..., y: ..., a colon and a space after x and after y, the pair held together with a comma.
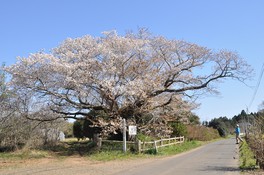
x: 124, y: 135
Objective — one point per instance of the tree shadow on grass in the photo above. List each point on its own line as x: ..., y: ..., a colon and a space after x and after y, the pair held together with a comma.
x: 71, y: 149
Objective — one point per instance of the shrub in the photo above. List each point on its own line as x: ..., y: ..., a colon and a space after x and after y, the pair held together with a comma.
x: 257, y: 146
x: 143, y: 137
x: 178, y: 129
x: 201, y: 133
x: 247, y: 160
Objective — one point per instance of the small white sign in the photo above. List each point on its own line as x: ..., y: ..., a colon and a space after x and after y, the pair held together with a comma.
x: 132, y: 130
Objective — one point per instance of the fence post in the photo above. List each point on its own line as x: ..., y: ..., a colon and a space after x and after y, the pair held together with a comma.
x: 97, y: 140
x: 156, y: 147
x: 99, y: 144
x: 138, y: 146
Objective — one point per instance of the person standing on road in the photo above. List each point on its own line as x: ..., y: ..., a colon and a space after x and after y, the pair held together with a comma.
x: 238, y: 138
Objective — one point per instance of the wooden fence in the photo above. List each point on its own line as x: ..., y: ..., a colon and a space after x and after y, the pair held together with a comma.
x: 144, y: 146
x: 117, y: 145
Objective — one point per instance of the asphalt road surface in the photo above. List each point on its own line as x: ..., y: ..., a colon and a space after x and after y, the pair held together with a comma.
x: 218, y: 158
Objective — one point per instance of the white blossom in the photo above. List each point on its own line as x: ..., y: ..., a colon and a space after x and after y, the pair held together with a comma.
x: 117, y: 72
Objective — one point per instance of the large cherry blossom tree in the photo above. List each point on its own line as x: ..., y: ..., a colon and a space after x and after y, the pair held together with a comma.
x: 124, y: 76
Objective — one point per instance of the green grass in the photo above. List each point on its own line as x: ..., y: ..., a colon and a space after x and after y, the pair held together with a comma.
x: 87, y: 149
x: 246, y: 158
x: 164, y: 151
x: 22, y: 154
x: 176, y: 149
x: 114, y: 155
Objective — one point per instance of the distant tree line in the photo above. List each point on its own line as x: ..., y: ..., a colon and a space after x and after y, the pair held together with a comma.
x: 225, y: 126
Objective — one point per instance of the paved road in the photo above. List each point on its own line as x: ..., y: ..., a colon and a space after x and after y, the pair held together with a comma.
x: 218, y: 158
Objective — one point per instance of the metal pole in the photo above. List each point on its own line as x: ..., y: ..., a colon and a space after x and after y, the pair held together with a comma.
x: 124, y: 135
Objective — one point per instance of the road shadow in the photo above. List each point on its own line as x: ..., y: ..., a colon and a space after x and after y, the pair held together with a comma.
x: 222, y: 169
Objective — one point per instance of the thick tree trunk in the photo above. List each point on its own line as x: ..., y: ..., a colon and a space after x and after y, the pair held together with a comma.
x: 97, y: 140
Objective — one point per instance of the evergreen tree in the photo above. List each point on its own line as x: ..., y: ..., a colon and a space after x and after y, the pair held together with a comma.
x: 78, y: 129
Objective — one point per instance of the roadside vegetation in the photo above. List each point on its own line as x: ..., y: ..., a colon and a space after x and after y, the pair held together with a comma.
x: 72, y: 147
x: 246, y: 157
x: 22, y: 155
x: 252, y: 150
x: 85, y: 149
x: 248, y: 162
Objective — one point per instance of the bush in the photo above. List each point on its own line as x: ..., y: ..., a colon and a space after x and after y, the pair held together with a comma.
x: 247, y: 160
x: 257, y: 146
x: 145, y: 138
x: 223, y: 126
x: 201, y: 133
x: 178, y: 129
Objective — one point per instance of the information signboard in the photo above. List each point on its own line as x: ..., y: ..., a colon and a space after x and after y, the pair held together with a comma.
x: 132, y: 130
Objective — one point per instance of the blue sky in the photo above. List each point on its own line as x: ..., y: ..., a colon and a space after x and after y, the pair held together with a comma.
x: 28, y: 26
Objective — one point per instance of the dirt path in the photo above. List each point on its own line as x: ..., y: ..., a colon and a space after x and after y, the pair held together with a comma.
x: 68, y: 166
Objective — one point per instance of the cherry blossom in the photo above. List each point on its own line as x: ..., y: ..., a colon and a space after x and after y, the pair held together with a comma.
x: 140, y: 73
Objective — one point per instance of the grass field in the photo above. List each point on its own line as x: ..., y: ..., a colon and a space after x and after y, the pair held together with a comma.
x: 85, y: 148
